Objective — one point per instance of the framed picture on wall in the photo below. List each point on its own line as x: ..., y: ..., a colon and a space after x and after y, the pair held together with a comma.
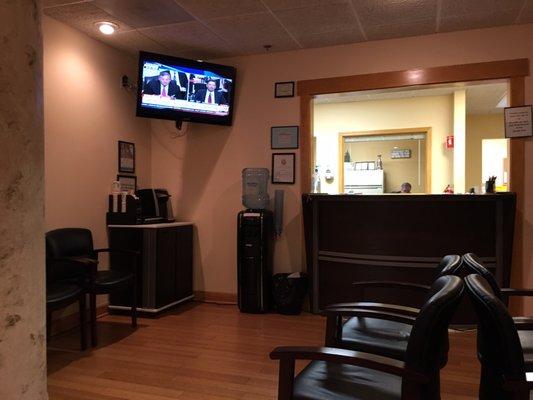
x: 283, y: 89
x: 283, y: 166
x: 128, y: 183
x: 284, y: 137
x: 126, y: 157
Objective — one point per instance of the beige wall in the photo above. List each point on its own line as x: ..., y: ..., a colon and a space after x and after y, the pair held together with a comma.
x: 479, y: 127
x: 210, y: 183
x: 435, y: 112
x: 86, y: 113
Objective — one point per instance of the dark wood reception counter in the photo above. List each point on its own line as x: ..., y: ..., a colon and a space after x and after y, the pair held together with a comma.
x: 400, y: 238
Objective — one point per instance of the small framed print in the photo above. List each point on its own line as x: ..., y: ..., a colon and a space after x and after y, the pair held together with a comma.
x: 284, y: 137
x: 283, y: 165
x: 128, y: 183
x: 284, y: 89
x: 126, y: 157
x: 518, y: 121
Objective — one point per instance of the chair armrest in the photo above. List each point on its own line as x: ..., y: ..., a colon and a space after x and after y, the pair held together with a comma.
x: 410, y: 311
x: 122, y: 251
x: 350, y: 357
x: 393, y: 285
x: 507, y: 292
x: 366, y: 313
x: 84, y: 261
x: 523, y: 323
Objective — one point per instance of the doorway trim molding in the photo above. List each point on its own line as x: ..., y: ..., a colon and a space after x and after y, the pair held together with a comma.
x: 514, y: 71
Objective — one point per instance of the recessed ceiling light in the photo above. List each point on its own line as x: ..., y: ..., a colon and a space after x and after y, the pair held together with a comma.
x: 107, y: 28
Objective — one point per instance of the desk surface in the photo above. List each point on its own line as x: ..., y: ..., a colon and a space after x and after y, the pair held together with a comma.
x: 152, y: 226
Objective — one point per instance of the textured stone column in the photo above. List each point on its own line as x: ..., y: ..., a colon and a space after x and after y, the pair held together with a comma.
x: 22, y: 270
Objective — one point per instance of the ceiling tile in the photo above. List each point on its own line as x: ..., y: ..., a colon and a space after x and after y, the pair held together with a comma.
x: 83, y: 16
x: 132, y: 42
x: 331, y: 38
x: 253, y: 31
x: 206, y: 9
x: 318, y: 19
x: 413, y: 28
x: 185, y: 36
x: 142, y: 13
x: 462, y: 7
x: 526, y: 16
x: 54, y: 3
x: 291, y: 4
x: 390, y: 12
x: 476, y: 21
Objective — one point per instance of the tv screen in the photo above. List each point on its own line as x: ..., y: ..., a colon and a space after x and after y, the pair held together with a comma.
x: 184, y: 90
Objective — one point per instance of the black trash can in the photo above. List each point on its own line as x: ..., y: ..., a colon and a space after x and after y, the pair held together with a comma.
x: 289, y: 291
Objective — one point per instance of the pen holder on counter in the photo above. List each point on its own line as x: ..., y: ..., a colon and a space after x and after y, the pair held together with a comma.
x: 490, y: 186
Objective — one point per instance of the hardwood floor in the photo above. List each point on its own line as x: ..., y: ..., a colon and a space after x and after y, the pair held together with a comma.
x: 205, y: 352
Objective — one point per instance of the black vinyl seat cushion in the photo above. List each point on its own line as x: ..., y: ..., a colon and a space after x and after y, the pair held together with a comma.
x: 110, y: 279
x: 381, y: 337
x: 321, y: 380
x: 62, y: 292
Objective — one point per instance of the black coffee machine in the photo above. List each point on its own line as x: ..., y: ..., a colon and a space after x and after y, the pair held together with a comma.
x: 155, y: 205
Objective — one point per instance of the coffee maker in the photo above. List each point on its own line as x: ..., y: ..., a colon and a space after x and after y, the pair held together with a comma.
x: 155, y: 205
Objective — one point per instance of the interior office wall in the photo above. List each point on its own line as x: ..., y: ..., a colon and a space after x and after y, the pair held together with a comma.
x: 435, y: 112
x: 479, y: 127
x: 86, y: 112
x: 396, y: 170
x: 209, y: 183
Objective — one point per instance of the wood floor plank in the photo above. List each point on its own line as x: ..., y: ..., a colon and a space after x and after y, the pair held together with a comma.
x: 207, y: 352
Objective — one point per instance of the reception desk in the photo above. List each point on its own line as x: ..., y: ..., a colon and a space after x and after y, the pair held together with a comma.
x: 400, y: 238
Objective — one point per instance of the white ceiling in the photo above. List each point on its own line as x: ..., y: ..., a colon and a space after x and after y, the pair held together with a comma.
x: 220, y: 28
x: 481, y: 97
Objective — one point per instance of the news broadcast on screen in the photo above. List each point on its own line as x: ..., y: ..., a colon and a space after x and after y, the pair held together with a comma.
x: 187, y: 89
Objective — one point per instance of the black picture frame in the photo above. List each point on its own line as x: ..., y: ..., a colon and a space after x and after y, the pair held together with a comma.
x: 275, y: 179
x: 126, y: 157
x: 283, y: 89
x: 287, y: 130
x: 125, y: 178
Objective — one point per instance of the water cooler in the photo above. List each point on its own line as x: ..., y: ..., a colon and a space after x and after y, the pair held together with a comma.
x: 254, y: 244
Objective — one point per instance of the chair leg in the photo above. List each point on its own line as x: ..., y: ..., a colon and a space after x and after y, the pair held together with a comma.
x: 134, y: 304
x: 83, y: 327
x: 92, y: 308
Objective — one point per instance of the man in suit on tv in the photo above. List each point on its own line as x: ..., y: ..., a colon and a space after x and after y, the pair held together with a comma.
x: 209, y: 95
x: 164, y: 86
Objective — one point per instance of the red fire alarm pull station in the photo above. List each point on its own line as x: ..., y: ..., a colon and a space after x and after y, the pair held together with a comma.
x: 449, y: 142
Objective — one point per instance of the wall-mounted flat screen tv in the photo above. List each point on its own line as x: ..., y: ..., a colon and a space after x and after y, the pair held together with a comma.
x: 185, y: 90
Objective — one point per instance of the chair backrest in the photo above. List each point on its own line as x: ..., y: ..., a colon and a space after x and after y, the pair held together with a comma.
x: 473, y: 265
x: 66, y: 242
x: 450, y: 265
x: 424, y: 349
x: 499, y: 348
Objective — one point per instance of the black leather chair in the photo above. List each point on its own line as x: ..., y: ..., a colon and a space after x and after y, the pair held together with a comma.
x: 473, y: 265
x: 74, y: 247
x: 503, y: 370
x: 341, y: 374
x: 378, y: 328
x: 65, y: 286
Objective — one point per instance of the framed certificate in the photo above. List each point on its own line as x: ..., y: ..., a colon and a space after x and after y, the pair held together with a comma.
x: 284, y: 89
x: 128, y: 183
x: 284, y: 137
x: 283, y: 165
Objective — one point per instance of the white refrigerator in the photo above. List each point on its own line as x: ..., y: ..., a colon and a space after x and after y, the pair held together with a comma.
x: 363, y: 181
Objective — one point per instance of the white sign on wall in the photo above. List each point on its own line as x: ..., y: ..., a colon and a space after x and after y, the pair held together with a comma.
x: 518, y: 122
